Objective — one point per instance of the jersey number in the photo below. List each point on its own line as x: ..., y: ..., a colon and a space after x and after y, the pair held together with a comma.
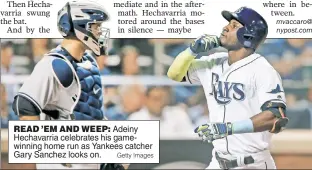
x: 224, y: 92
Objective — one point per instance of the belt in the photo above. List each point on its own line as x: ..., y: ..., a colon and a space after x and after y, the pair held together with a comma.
x: 227, y: 164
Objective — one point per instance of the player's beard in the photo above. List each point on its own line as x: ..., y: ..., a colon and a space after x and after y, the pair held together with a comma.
x: 230, y: 46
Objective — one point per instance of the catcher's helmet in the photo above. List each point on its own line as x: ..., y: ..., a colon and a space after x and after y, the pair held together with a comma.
x: 75, y: 19
x: 254, y: 30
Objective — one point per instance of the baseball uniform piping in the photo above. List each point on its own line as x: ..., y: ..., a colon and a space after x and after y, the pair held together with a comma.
x: 227, y: 143
x: 224, y: 110
x: 187, y: 76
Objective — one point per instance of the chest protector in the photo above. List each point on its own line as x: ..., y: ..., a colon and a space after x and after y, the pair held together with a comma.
x: 90, y: 104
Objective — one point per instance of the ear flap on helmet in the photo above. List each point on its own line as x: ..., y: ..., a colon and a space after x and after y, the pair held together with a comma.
x: 245, y: 37
x: 250, y: 36
x: 65, y: 24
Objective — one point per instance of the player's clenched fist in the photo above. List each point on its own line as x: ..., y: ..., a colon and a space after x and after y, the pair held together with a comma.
x: 212, y: 131
x: 204, y: 43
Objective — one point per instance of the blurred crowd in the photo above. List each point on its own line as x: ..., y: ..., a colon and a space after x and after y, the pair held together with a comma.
x: 179, y: 108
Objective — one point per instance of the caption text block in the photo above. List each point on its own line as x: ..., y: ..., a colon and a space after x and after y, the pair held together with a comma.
x: 84, y: 141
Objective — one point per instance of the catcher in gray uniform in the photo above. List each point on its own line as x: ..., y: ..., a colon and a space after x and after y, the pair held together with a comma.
x: 66, y: 82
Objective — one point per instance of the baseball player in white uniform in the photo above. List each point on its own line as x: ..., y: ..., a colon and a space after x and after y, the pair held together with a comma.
x: 66, y: 83
x: 246, y: 100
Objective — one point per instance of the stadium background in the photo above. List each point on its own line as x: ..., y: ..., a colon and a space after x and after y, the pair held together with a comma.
x: 134, y: 81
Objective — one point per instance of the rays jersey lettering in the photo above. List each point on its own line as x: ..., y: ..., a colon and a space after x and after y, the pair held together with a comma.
x: 224, y: 92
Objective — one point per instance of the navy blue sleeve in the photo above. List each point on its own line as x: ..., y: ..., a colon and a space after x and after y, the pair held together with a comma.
x: 24, y: 106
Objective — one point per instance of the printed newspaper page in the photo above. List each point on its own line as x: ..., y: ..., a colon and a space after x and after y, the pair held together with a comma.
x: 158, y: 84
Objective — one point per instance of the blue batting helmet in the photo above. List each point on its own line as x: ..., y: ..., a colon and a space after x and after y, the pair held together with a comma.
x: 254, y: 30
x: 75, y: 20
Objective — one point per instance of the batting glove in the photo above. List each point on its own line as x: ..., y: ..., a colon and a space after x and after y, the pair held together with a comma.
x: 204, y: 43
x: 212, y: 131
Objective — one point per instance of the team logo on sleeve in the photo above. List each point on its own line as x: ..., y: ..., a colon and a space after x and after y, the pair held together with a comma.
x: 276, y: 90
x: 224, y: 92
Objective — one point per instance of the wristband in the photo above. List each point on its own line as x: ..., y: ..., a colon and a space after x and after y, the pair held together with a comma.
x: 243, y: 126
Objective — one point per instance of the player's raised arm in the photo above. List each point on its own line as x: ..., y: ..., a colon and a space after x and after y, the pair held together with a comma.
x: 35, y: 92
x: 186, y: 59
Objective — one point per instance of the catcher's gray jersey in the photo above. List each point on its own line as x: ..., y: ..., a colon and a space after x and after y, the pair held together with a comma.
x: 44, y: 89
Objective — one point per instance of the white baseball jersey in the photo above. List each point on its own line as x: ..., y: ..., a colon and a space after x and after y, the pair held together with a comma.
x: 237, y: 92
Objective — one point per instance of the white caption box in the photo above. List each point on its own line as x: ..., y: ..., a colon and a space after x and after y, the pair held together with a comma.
x: 286, y: 18
x: 69, y: 142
